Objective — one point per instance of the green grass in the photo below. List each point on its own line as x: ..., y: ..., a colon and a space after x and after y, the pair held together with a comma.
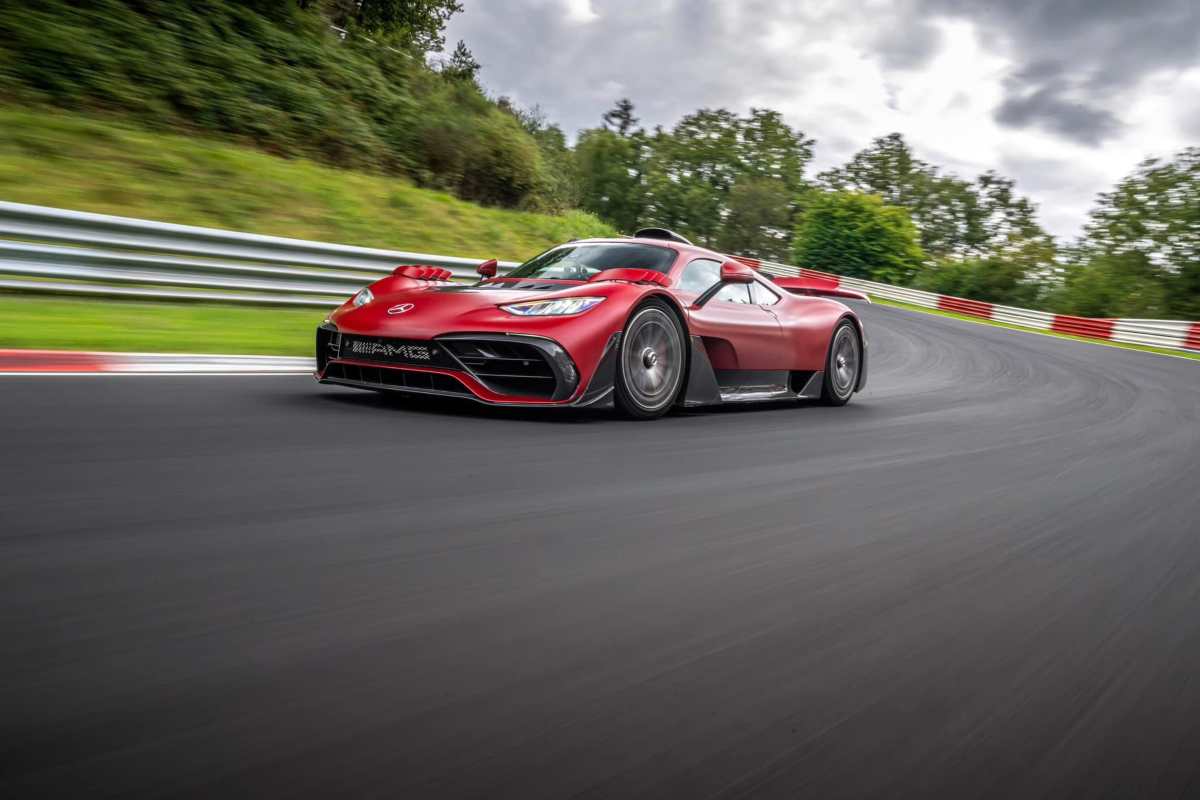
x: 88, y: 164
x: 52, y: 323
x: 883, y: 301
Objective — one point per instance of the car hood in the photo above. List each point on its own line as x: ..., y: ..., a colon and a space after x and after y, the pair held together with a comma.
x: 422, y: 312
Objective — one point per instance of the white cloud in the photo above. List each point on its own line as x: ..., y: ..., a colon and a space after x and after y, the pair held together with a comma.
x: 580, y: 11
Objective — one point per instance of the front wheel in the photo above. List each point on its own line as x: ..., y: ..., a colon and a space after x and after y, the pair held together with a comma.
x: 843, y: 365
x: 652, y: 362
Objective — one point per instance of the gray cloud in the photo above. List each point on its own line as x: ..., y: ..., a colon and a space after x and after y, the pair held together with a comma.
x: 1045, y: 105
x: 908, y: 47
x: 670, y: 57
x: 1188, y: 119
x: 1074, y: 55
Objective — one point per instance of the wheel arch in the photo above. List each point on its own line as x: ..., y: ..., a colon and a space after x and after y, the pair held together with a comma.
x: 862, y: 341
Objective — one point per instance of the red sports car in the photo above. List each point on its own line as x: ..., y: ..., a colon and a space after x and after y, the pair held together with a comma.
x: 646, y: 323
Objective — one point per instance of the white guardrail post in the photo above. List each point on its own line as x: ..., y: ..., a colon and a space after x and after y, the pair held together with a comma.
x: 51, y: 250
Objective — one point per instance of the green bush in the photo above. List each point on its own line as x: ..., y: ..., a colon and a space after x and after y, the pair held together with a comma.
x: 857, y: 235
x: 993, y: 280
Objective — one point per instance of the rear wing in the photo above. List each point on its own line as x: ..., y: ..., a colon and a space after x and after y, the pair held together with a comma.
x: 817, y: 287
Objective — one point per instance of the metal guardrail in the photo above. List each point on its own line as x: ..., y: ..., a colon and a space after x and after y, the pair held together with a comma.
x: 1170, y: 334
x: 56, y: 251
x: 75, y: 252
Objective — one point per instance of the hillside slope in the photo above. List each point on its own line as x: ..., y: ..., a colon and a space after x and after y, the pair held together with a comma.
x: 91, y: 164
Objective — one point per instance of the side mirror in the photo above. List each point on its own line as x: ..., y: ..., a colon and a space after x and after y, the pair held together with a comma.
x: 736, y: 272
x: 488, y: 268
x: 731, y: 272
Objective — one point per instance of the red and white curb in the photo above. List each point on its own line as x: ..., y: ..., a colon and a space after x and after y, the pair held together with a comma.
x: 1169, y: 334
x: 68, y: 362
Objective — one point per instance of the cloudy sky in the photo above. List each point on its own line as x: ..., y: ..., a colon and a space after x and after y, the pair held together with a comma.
x: 1065, y: 96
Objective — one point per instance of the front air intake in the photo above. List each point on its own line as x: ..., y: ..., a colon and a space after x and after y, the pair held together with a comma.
x: 393, y: 378
x: 508, y: 367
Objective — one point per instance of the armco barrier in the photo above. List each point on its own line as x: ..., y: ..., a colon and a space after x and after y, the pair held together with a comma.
x: 74, y: 252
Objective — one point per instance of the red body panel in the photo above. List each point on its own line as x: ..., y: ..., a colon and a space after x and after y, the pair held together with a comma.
x: 792, y: 334
x: 818, y: 287
x: 740, y: 336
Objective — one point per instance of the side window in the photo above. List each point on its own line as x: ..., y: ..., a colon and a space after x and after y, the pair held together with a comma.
x: 734, y: 293
x: 699, y: 275
x: 762, y: 295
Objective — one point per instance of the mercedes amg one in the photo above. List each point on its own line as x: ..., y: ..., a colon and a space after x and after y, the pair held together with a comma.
x: 645, y: 324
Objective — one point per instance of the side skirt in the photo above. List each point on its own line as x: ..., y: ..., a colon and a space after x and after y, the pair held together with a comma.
x: 708, y: 387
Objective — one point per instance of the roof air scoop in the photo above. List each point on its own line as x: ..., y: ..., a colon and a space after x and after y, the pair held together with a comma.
x: 660, y: 233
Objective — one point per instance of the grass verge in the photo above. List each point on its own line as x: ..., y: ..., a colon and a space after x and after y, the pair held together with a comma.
x: 53, y: 323
x: 883, y: 301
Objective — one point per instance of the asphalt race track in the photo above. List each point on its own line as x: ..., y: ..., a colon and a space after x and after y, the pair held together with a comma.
x: 980, y: 579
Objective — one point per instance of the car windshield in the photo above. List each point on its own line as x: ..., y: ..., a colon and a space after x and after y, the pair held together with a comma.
x: 581, y: 261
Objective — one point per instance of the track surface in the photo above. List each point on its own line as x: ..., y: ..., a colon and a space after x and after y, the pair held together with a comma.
x: 980, y: 579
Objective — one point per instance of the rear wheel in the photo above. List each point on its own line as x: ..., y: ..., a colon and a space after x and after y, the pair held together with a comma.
x: 843, y: 365
x: 652, y: 362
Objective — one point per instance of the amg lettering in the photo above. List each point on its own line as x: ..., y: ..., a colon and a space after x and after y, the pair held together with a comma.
x: 409, y: 352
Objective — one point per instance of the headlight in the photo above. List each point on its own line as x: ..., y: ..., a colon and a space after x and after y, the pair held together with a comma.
x: 553, y: 308
x: 363, y: 297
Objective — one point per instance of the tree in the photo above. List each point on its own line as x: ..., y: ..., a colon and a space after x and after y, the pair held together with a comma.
x: 957, y: 218
x: 558, y: 189
x: 462, y: 64
x: 609, y: 168
x: 857, y: 235
x: 983, y: 221
x: 620, y: 117
x: 769, y: 149
x: 758, y: 219
x: 411, y: 23
x: 1142, y: 242
x: 692, y: 171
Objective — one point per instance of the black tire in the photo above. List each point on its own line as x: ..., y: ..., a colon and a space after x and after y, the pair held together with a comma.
x: 843, y: 365
x: 651, y: 363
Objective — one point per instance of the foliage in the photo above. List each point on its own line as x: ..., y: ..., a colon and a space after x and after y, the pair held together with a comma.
x: 558, y: 189
x: 610, y: 168
x: 620, y: 118
x: 758, y: 219
x: 462, y: 65
x: 957, y: 218
x: 993, y: 279
x: 275, y: 75
x: 710, y: 177
x: 859, y: 236
x: 1140, y: 256
x: 409, y: 23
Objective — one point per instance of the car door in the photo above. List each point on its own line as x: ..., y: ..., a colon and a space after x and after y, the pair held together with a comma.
x: 738, y: 333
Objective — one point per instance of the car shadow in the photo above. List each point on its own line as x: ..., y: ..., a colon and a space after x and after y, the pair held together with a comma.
x: 441, y: 406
